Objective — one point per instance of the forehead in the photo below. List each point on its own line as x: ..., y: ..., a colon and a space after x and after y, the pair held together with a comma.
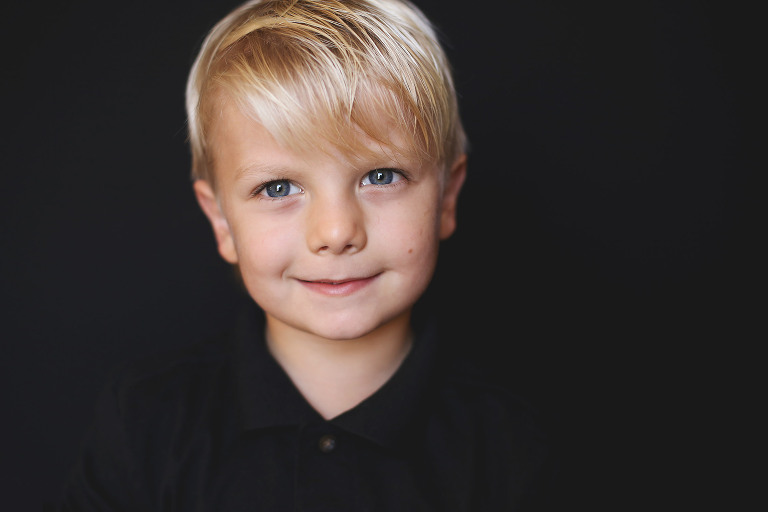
x: 237, y: 135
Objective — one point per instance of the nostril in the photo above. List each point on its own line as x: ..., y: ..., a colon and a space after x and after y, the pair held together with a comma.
x: 339, y: 231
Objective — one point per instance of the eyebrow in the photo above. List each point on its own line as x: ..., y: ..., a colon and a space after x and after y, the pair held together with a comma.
x: 256, y: 169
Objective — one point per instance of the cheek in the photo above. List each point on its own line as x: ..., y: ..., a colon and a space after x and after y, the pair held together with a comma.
x: 263, y: 249
x: 411, y: 236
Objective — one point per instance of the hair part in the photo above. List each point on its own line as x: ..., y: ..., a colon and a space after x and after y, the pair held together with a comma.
x: 319, y: 72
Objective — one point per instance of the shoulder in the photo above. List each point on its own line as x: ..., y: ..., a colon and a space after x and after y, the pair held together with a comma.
x: 492, y: 411
x: 144, y: 386
x: 488, y: 405
x: 503, y: 437
x: 149, y: 412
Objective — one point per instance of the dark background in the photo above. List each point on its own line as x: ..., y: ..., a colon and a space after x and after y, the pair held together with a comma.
x: 603, y: 266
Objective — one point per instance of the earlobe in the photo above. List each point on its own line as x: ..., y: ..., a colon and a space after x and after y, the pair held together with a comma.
x: 206, y: 198
x: 451, y: 196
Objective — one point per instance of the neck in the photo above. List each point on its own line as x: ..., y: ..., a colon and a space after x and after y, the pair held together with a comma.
x: 336, y: 375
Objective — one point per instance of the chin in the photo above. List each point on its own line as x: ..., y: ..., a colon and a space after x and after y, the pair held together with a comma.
x: 343, y: 331
x: 350, y: 326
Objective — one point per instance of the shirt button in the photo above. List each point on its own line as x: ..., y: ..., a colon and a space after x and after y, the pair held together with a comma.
x: 327, y: 443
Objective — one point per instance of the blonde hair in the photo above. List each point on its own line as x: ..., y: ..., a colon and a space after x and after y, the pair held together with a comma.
x: 322, y: 71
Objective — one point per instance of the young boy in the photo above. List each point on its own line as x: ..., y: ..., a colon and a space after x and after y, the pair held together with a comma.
x: 328, y: 156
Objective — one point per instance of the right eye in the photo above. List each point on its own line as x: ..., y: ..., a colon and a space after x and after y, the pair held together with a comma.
x: 383, y: 176
x: 277, y: 189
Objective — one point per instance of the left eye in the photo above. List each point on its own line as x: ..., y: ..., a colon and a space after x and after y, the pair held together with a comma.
x: 382, y: 177
x: 278, y: 188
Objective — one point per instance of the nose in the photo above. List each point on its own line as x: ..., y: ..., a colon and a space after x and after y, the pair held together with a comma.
x: 336, y: 225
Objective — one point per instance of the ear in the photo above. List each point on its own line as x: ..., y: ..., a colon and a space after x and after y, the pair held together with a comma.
x: 451, y: 196
x: 206, y: 198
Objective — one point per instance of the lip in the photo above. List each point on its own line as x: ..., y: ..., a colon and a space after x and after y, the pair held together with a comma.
x: 339, y: 288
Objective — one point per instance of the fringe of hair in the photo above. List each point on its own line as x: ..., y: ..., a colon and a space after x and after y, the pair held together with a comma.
x: 315, y: 72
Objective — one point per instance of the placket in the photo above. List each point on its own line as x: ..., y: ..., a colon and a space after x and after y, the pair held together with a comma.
x: 326, y: 470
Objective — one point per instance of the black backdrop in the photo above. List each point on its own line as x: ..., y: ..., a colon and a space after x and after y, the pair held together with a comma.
x: 601, y: 265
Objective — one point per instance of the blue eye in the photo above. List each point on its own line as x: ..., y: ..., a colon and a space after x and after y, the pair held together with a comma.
x: 382, y: 177
x: 278, y: 188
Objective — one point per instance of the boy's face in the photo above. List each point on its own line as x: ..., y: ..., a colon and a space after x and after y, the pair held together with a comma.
x: 327, y: 245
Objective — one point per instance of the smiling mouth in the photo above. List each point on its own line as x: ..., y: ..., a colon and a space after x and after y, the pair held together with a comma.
x: 339, y: 288
x: 328, y: 281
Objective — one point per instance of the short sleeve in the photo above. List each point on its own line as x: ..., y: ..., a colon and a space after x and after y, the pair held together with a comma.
x: 105, y: 477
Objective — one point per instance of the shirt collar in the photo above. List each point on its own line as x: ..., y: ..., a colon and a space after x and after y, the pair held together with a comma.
x: 266, y: 394
x: 268, y: 398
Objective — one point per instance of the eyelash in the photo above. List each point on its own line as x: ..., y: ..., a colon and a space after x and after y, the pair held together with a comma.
x: 257, y: 192
x: 399, y: 172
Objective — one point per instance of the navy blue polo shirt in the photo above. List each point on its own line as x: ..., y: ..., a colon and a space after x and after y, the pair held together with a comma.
x: 221, y: 427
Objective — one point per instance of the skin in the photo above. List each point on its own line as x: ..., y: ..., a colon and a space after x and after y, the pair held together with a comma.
x: 339, y: 261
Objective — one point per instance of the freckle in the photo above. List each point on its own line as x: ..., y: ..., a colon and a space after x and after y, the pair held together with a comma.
x: 410, y: 250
